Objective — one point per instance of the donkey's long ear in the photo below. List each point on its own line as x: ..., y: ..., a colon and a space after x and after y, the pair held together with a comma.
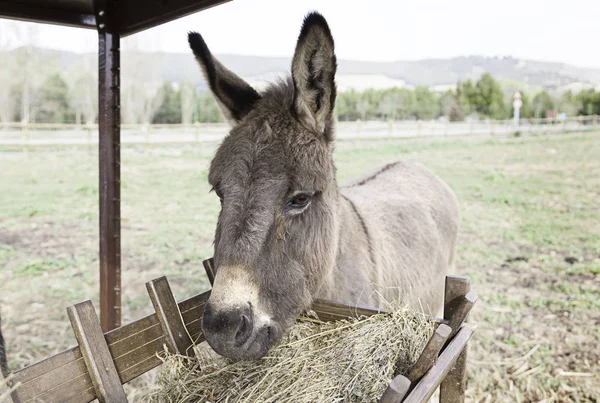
x: 313, y: 72
x: 235, y: 96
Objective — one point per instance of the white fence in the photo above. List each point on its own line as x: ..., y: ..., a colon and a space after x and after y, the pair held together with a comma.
x: 31, y: 135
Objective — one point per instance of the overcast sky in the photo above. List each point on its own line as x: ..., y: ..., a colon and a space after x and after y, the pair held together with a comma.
x: 382, y: 30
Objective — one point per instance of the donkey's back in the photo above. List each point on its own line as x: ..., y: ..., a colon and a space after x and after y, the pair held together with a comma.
x: 412, y: 220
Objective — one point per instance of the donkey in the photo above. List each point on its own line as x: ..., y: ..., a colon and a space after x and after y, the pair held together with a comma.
x: 3, y: 362
x: 287, y: 233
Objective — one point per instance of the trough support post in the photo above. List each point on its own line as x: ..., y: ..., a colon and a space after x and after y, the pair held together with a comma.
x: 452, y: 389
x: 96, y: 355
x: 109, y: 132
x: 169, y: 317
x: 439, y: 372
x: 396, y: 391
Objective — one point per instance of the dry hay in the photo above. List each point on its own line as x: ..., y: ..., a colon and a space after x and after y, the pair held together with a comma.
x: 348, y: 360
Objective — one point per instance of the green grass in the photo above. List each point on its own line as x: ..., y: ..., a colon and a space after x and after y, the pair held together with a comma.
x: 536, y: 198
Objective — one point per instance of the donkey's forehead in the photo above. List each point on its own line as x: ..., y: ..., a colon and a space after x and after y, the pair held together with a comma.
x: 271, y: 152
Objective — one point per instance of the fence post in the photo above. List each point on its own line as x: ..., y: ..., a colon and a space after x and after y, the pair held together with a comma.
x: 452, y: 389
x: 146, y: 129
x: 595, y: 122
x: 89, y: 138
x: 419, y: 128
x: 197, y: 131
x: 25, y: 137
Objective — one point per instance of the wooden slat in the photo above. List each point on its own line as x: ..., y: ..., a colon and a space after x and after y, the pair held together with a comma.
x: 55, y: 379
x: 456, y: 309
x: 329, y: 310
x: 79, y: 388
x: 430, y: 353
x: 125, y: 346
x: 461, y: 311
x: 169, y: 317
x: 432, y: 379
x: 96, y: 355
x: 46, y: 379
x: 396, y: 391
x: 132, y: 359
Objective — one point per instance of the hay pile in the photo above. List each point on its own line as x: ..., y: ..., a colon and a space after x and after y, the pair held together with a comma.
x: 350, y: 360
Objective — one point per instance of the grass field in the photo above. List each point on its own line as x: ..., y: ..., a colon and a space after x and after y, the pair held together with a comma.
x: 530, y: 242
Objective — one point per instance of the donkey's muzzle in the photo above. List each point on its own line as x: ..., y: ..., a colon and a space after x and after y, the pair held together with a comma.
x: 227, y: 330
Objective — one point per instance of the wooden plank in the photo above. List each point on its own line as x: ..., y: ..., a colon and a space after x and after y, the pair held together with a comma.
x: 128, y: 344
x: 46, y: 379
x: 396, y: 391
x: 96, y: 355
x: 432, y: 379
x: 169, y: 317
x: 209, y: 267
x: 55, y: 378
x: 80, y: 389
x: 329, y: 310
x: 461, y: 312
x: 430, y: 353
x: 133, y: 358
x: 456, y: 309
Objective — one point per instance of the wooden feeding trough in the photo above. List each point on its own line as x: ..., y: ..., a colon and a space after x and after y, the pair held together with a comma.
x: 102, y: 362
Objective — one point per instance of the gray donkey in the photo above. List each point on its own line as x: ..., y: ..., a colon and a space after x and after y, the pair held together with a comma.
x: 287, y: 233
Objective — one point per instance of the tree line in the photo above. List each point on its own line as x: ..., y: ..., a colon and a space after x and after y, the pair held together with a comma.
x: 55, y: 100
x: 35, y: 89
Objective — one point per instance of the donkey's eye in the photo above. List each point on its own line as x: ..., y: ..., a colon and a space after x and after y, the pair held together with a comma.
x: 300, y: 200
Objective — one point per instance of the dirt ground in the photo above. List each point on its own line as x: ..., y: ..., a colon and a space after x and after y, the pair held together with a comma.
x: 529, y: 241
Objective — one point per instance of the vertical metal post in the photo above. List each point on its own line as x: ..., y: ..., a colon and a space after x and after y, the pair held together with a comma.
x: 109, y: 159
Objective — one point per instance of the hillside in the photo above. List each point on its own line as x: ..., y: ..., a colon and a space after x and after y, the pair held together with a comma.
x: 436, y: 73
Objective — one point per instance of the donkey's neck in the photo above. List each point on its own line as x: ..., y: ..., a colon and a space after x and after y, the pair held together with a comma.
x: 349, y: 280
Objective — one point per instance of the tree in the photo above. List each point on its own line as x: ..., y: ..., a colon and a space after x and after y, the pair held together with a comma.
x: 363, y: 109
x: 469, y: 97
x: 569, y: 104
x: 425, y: 106
x: 141, y: 84
x: 54, y: 107
x: 490, y: 98
x: 590, y: 102
x: 28, y: 79
x: 7, y: 75
x: 207, y: 109
x: 83, y: 83
x: 541, y: 103
x: 170, y: 109
x: 188, y: 101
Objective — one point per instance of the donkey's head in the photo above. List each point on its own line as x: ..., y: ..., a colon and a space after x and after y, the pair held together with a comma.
x: 276, y: 237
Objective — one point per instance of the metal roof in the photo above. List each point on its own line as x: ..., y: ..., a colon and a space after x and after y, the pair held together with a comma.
x: 132, y: 15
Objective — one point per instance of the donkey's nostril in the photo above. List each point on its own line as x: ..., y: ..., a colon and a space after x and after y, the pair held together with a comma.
x: 244, y: 330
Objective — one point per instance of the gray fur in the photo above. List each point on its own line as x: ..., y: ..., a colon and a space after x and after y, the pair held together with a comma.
x: 388, y: 235
x: 3, y: 362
